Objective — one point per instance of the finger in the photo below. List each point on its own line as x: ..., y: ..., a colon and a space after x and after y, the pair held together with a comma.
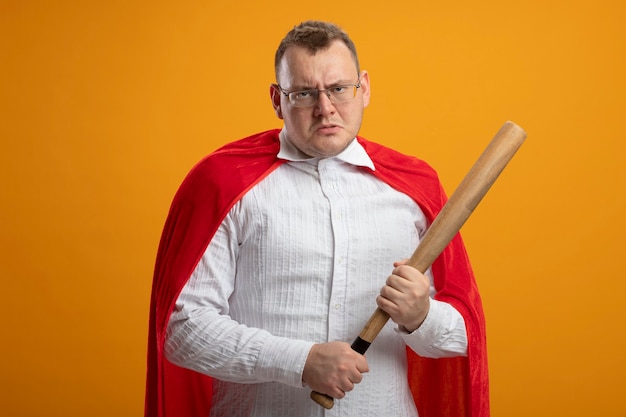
x: 387, y: 305
x: 391, y: 292
x: 398, y: 283
x: 401, y: 262
x: 405, y: 276
x: 347, y: 387
x: 362, y: 367
x: 406, y: 272
x: 356, y: 378
x: 337, y: 393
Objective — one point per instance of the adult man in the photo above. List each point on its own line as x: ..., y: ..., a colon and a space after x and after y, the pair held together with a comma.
x: 274, y: 256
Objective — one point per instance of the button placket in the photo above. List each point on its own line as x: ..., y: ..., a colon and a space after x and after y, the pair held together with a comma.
x: 328, y: 178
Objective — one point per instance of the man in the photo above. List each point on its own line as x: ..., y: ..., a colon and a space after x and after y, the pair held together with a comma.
x: 275, y: 254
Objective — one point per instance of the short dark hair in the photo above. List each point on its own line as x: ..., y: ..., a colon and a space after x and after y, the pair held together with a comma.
x: 314, y: 35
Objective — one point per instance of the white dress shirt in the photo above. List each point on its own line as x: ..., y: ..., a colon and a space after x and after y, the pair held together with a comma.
x: 300, y: 260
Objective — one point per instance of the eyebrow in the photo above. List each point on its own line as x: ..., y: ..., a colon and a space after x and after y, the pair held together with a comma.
x: 331, y: 85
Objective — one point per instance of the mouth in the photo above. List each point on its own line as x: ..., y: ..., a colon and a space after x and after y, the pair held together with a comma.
x: 328, y: 129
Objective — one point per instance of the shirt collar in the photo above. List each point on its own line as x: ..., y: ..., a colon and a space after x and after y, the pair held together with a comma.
x: 354, y: 154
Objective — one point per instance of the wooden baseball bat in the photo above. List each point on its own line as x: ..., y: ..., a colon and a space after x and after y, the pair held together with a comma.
x: 447, y: 223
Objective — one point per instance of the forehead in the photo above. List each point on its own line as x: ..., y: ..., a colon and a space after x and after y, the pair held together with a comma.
x: 302, y: 67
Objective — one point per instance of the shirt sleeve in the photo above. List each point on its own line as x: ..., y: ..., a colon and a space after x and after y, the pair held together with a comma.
x: 203, y: 337
x: 441, y: 335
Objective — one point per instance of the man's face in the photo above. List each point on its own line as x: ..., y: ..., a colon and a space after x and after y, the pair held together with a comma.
x: 324, y: 129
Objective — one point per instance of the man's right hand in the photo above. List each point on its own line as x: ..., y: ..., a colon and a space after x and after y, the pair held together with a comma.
x: 333, y: 368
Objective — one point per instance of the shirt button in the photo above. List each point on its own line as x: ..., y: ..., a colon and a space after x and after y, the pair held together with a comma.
x: 337, y: 306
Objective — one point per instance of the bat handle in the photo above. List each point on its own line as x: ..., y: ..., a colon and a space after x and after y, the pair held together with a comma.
x: 361, y: 344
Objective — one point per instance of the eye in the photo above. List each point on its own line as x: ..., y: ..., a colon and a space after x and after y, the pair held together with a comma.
x: 300, y: 95
x: 340, y: 89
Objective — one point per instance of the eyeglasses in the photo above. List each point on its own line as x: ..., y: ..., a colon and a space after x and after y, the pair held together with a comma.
x: 308, y: 98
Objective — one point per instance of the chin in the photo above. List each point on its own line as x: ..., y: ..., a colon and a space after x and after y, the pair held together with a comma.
x: 330, y: 151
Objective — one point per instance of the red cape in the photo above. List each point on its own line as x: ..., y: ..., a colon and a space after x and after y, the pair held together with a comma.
x: 451, y: 387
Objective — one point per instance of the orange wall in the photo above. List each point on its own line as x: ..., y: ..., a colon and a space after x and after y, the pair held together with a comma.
x: 106, y: 105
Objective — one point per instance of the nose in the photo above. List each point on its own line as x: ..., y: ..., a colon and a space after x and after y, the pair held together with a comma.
x: 324, y: 105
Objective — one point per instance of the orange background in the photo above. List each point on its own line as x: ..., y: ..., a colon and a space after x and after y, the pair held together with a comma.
x: 105, y: 106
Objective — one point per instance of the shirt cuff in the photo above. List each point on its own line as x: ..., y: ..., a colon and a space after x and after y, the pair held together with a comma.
x: 442, y: 334
x: 282, y: 360
x: 430, y: 329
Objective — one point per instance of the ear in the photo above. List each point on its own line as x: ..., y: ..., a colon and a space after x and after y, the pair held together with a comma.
x: 275, y: 96
x: 365, y: 87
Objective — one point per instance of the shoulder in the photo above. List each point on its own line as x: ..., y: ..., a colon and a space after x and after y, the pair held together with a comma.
x: 386, y: 158
x: 408, y: 174
x: 266, y: 141
x: 254, y: 153
x: 233, y: 167
x: 264, y: 145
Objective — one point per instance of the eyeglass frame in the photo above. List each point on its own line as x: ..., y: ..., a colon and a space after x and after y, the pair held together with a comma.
x: 326, y: 91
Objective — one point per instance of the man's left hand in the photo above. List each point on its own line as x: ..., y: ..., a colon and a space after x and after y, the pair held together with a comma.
x: 405, y: 296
